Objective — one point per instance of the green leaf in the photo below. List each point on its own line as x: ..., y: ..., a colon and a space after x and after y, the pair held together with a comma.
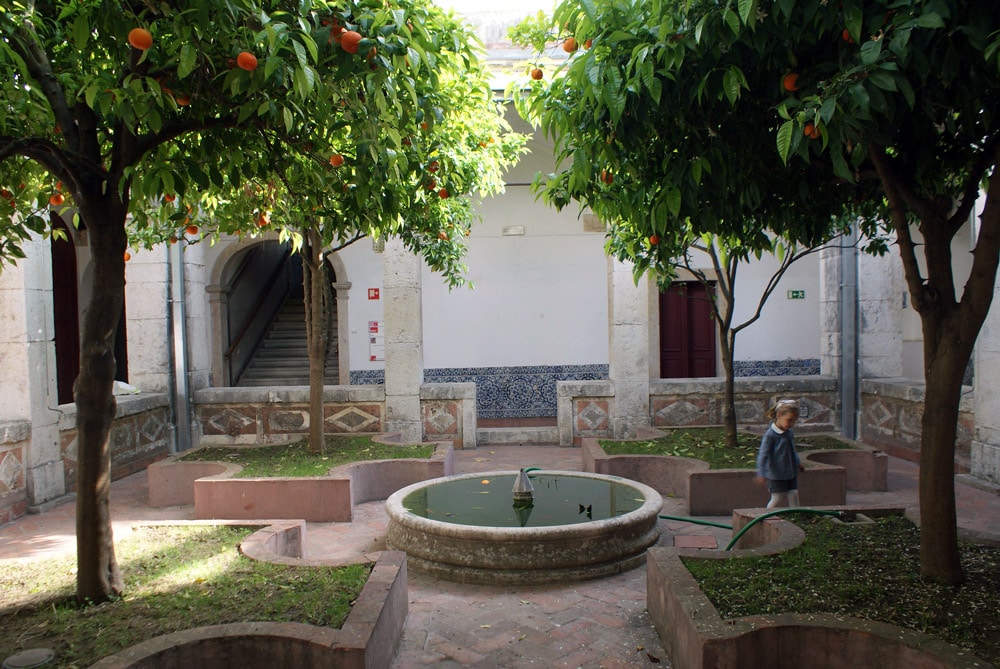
x: 732, y: 20
x: 784, y: 139
x: 674, y: 201
x: 747, y: 8
x: 870, y: 52
x: 187, y: 61
x: 853, y: 20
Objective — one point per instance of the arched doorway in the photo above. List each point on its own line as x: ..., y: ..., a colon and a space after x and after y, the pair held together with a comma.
x: 260, y: 317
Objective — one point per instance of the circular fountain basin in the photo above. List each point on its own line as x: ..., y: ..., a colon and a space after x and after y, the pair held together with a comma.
x: 468, y: 528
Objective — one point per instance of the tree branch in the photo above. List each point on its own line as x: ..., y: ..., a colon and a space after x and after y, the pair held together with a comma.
x: 25, y: 42
x: 897, y: 212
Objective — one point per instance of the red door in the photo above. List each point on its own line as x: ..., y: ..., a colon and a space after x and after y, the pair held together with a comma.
x: 687, y: 332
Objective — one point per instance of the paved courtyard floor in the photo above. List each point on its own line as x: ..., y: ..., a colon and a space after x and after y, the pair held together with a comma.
x: 597, y: 623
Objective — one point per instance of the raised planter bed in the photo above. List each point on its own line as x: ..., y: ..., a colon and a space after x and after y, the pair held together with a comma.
x: 369, y: 637
x: 213, y: 491
x: 696, y: 636
x: 714, y: 492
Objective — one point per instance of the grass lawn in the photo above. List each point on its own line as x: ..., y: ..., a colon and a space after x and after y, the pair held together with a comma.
x: 175, y: 578
x: 867, y: 572
x: 294, y: 460
x: 708, y: 444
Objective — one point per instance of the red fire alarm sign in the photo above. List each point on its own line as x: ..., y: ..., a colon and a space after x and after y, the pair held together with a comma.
x: 373, y: 293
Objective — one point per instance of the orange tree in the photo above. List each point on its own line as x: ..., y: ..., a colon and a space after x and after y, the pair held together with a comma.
x: 787, y: 115
x: 150, y: 117
x: 415, y: 179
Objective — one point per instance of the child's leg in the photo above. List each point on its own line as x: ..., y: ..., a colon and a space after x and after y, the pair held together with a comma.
x: 793, y: 498
x: 777, y: 499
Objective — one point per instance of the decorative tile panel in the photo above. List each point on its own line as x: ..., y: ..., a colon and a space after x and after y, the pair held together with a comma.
x: 11, y: 472
x: 787, y: 367
x: 592, y: 417
x: 353, y: 418
x: 669, y: 412
x: 442, y: 420
x: 229, y: 421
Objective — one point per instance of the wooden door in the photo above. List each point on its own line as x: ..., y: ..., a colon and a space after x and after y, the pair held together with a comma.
x: 687, y: 332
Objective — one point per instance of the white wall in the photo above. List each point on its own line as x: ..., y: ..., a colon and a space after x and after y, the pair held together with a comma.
x: 787, y: 328
x: 539, y: 299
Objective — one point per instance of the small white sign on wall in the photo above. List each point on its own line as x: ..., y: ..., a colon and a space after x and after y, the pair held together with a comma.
x: 376, y: 341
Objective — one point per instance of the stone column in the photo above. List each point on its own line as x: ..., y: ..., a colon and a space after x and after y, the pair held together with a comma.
x: 28, y: 363
x: 146, y: 313
x: 218, y: 306
x: 404, y: 341
x: 629, y: 308
x: 880, y: 316
x: 985, y: 447
x: 342, y: 290
x: 829, y: 312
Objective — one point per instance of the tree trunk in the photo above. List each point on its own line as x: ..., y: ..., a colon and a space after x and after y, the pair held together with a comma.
x: 313, y: 278
x: 98, y: 576
x: 727, y: 340
x: 939, y: 557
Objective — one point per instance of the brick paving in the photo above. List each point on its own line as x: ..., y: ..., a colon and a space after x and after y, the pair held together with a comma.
x: 597, y: 623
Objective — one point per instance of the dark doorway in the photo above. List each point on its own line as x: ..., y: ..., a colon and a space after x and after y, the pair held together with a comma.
x: 687, y: 332
x: 67, y: 311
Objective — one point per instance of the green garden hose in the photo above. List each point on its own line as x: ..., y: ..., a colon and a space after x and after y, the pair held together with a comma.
x: 765, y: 516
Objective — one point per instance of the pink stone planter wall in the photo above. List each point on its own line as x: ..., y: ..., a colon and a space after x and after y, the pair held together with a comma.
x: 368, y: 639
x: 716, y: 492
x: 209, y: 486
x: 867, y: 470
x: 697, y: 637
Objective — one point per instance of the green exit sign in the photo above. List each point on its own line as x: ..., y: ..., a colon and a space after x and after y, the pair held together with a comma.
x: 796, y: 294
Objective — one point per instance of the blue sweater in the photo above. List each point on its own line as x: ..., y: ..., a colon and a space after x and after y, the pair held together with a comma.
x: 777, y: 459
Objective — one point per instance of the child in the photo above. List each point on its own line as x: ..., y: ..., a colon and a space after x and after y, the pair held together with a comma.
x: 777, y: 460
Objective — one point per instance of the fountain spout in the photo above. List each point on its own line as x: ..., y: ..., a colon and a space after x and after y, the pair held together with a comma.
x: 523, y: 490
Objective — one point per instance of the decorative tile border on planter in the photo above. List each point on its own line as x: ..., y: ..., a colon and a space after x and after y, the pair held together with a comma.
x: 215, y: 494
x: 697, y: 637
x: 368, y: 639
x: 715, y: 492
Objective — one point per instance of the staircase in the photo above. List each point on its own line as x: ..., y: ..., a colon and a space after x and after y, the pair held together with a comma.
x: 530, y: 431
x: 282, y: 358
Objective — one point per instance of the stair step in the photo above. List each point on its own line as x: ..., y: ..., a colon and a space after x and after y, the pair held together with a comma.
x: 517, y: 435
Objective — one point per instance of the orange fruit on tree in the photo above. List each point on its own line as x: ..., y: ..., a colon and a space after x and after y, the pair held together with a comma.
x: 191, y: 229
x: 432, y: 184
x: 169, y: 197
x: 537, y: 74
x: 846, y: 36
x: 789, y: 81
x: 607, y: 177
x: 810, y: 130
x: 247, y: 61
x: 336, y: 160
x: 589, y: 43
x: 140, y: 38
x: 654, y: 240
x: 128, y: 256
x: 443, y: 235
x: 182, y: 100
x: 349, y: 41
x: 56, y: 199
x: 443, y: 193
x: 569, y: 45
x: 432, y: 167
